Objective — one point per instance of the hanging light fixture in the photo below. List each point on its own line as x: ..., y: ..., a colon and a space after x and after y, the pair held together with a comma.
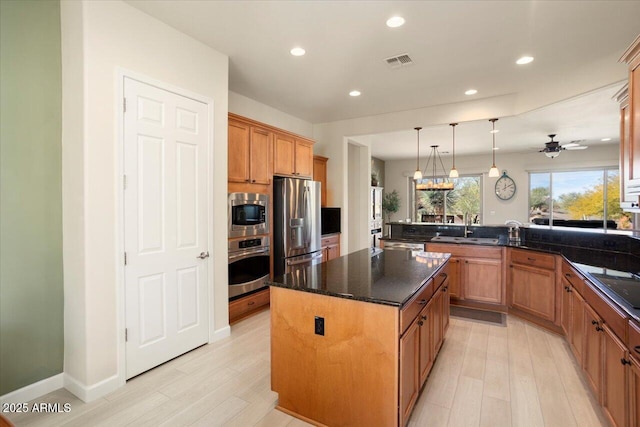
x: 417, y: 174
x: 493, y: 172
x: 435, y: 181
x: 454, y: 172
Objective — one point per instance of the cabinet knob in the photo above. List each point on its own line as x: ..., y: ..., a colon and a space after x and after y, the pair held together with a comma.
x: 253, y: 180
x: 422, y: 302
x: 637, y: 349
x: 598, y: 329
x: 625, y: 361
x: 531, y: 259
x: 423, y: 317
x: 247, y: 180
x: 594, y: 322
x: 420, y: 322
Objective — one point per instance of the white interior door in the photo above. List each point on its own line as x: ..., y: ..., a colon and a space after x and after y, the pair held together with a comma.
x: 165, y: 225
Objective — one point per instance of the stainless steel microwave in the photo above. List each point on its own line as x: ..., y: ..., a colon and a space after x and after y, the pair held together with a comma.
x: 248, y: 214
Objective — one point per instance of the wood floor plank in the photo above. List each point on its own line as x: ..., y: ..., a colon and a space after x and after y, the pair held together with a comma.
x: 495, y: 412
x: 518, y: 375
x: 467, y: 403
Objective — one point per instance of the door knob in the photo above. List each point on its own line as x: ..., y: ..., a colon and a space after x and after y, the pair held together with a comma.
x: 203, y: 255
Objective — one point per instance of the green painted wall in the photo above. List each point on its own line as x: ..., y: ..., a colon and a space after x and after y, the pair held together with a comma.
x: 31, y: 288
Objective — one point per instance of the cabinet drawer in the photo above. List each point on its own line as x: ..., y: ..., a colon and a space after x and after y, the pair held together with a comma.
x: 462, y: 250
x: 242, y: 306
x: 533, y: 259
x: 634, y: 338
x: 330, y: 239
x: 612, y: 316
x: 415, y: 305
x: 572, y: 276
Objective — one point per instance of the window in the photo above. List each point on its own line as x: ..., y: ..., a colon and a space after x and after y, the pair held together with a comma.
x: 577, y: 198
x: 450, y: 206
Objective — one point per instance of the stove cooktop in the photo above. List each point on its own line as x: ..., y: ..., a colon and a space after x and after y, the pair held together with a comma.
x: 625, y: 285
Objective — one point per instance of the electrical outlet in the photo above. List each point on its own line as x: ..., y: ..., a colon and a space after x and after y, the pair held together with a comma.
x: 319, y: 325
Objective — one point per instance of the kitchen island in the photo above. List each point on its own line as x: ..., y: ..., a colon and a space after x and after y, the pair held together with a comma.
x: 353, y: 339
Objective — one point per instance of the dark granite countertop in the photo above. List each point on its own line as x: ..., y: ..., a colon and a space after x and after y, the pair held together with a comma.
x: 388, y: 277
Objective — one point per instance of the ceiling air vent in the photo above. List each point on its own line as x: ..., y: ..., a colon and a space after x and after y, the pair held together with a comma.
x: 399, y: 61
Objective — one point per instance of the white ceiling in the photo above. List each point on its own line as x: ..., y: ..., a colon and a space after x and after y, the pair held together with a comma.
x: 455, y: 45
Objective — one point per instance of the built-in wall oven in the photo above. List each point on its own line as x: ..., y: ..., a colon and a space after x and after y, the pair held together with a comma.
x: 248, y: 214
x: 249, y: 265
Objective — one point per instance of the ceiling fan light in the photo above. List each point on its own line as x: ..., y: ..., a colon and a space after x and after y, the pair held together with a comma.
x: 494, y: 172
x: 417, y: 175
x: 552, y: 154
x: 453, y: 173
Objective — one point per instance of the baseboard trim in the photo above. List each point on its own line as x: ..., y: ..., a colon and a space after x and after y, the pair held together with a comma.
x: 94, y: 392
x: 35, y: 390
x: 220, y: 334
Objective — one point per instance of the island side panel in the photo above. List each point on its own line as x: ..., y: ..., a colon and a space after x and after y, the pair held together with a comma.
x: 347, y: 377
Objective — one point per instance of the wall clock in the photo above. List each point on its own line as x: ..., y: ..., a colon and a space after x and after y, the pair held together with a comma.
x: 505, y: 187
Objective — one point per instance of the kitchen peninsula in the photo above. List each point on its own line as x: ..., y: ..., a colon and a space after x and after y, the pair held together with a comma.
x: 353, y: 339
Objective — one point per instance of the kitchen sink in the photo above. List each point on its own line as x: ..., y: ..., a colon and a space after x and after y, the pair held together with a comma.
x: 466, y: 240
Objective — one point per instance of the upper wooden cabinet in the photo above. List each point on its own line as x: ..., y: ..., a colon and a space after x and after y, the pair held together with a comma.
x: 320, y: 175
x: 249, y: 153
x: 629, y: 98
x: 292, y: 156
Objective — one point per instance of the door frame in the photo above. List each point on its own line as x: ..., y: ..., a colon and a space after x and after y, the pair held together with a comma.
x: 121, y: 74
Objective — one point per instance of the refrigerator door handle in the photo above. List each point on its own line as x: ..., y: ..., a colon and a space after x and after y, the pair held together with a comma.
x: 305, y: 260
x: 307, y: 208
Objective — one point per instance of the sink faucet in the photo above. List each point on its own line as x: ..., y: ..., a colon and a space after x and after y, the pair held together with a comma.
x: 467, y: 223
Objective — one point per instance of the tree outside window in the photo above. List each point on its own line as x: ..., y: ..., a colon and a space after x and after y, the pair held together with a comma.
x: 577, y: 195
x: 450, y: 206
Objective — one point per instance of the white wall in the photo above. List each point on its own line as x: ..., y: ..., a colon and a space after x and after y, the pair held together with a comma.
x: 247, y: 107
x: 517, y: 166
x: 332, y: 140
x: 114, y: 35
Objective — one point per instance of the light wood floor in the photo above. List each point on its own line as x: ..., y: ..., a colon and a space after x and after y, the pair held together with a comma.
x: 485, y: 375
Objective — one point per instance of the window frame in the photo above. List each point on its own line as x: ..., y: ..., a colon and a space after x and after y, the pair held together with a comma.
x: 414, y: 199
x: 605, y: 175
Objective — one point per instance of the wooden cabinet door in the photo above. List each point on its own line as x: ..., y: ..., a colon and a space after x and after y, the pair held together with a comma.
x: 446, y: 309
x: 426, y: 356
x: 577, y: 331
x: 453, y: 270
x: 320, y: 175
x: 304, y: 159
x: 592, y: 356
x: 409, y: 370
x: 260, y: 156
x: 565, y: 309
x: 238, y: 151
x: 284, y: 155
x: 534, y: 291
x: 482, y: 280
x: 614, y: 378
x: 634, y: 127
x: 436, y: 319
x: 333, y: 251
x: 634, y: 392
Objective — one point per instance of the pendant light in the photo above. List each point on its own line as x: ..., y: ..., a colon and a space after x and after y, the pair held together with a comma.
x: 454, y: 172
x: 417, y: 174
x: 493, y: 172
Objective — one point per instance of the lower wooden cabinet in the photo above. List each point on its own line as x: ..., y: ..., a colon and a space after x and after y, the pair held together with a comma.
x: 330, y: 245
x: 634, y: 392
x: 614, y: 378
x: 565, y: 309
x: 576, y: 336
x: 454, y: 277
x: 420, y: 343
x: 533, y: 290
x: 409, y: 370
x: 245, y: 306
x: 482, y: 280
x: 592, y: 354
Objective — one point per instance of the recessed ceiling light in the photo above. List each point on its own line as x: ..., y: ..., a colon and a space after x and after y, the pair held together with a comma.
x: 395, y: 21
x: 471, y: 92
x: 605, y: 139
x: 524, y: 60
x: 354, y: 93
x: 298, y: 51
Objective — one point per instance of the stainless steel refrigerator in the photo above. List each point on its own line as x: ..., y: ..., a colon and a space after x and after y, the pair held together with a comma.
x: 296, y: 224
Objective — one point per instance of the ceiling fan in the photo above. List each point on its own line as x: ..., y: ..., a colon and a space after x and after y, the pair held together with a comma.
x: 553, y: 148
